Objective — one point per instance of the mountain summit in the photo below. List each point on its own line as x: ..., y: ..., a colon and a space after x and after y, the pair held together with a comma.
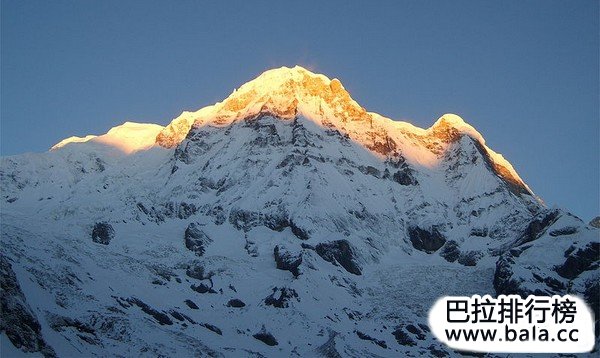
x: 283, y: 92
x: 287, y: 93
x: 285, y: 205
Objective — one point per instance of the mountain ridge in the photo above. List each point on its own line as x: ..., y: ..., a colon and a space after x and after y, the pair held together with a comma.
x: 344, y: 232
x: 289, y: 92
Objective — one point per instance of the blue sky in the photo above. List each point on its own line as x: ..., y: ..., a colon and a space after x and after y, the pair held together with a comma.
x: 524, y: 73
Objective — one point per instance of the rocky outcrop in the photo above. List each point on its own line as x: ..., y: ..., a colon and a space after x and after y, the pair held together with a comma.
x: 236, y: 303
x: 265, y: 337
x: 405, y: 176
x: 103, y: 233
x: 286, y: 260
x: 161, y: 212
x: 580, y: 260
x: 18, y: 320
x: 538, y: 226
x: 246, y: 220
x: 195, y: 239
x: 160, y: 316
x: 504, y: 282
x: 470, y: 258
x: 450, y: 251
x: 366, y: 337
x: 403, y: 338
x: 280, y: 297
x: 213, y: 328
x: 339, y: 252
x: 428, y: 241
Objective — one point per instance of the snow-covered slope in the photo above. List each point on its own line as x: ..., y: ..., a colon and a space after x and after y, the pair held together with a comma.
x: 285, y: 220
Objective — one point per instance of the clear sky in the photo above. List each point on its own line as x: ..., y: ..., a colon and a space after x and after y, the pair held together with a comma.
x: 524, y: 73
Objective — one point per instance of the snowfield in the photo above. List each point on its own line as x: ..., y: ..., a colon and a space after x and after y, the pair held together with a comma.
x: 284, y: 221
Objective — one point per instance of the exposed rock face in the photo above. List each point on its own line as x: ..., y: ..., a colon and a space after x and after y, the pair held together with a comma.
x: 236, y: 303
x: 561, y: 266
x: 195, y: 239
x: 470, y: 258
x: 405, y: 176
x: 280, y: 297
x: 580, y: 260
x: 595, y: 222
x: 339, y: 252
x: 428, y: 241
x: 18, y: 321
x: 103, y: 233
x: 403, y: 338
x: 160, y: 316
x: 538, y: 226
x: 287, y: 260
x: 266, y: 337
x: 366, y: 337
x: 450, y: 251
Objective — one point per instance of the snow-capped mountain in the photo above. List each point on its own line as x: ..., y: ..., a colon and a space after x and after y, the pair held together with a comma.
x: 284, y: 221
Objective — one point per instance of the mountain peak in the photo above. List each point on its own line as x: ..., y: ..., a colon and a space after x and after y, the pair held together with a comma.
x: 287, y: 92
x: 282, y: 92
x: 449, y: 126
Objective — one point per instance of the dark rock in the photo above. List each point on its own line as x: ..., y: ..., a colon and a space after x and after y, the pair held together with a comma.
x: 480, y: 232
x: 103, y: 233
x: 328, y: 348
x: 243, y: 220
x: 416, y: 331
x: 197, y: 271
x: 181, y: 210
x: 470, y: 258
x: 266, y: 337
x: 251, y: 248
x: 595, y: 222
x: 236, y: 303
x: 202, y: 288
x: 582, y: 260
x: 369, y: 170
x: 285, y: 260
x: 300, y: 233
x: 187, y: 318
x: 405, y: 176
x: 568, y: 230
x: 178, y: 316
x: 195, y: 239
x: 218, y: 214
x: 339, y: 252
x: 403, y: 338
x: 280, y: 297
x: 212, y: 328
x: 504, y: 283
x: 18, y: 321
x: 366, y: 337
x: 191, y: 304
x: 161, y: 317
x: 450, y: 251
x: 424, y: 240
x: 537, y: 226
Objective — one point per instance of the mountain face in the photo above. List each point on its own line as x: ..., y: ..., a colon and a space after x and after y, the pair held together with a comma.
x: 284, y: 221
